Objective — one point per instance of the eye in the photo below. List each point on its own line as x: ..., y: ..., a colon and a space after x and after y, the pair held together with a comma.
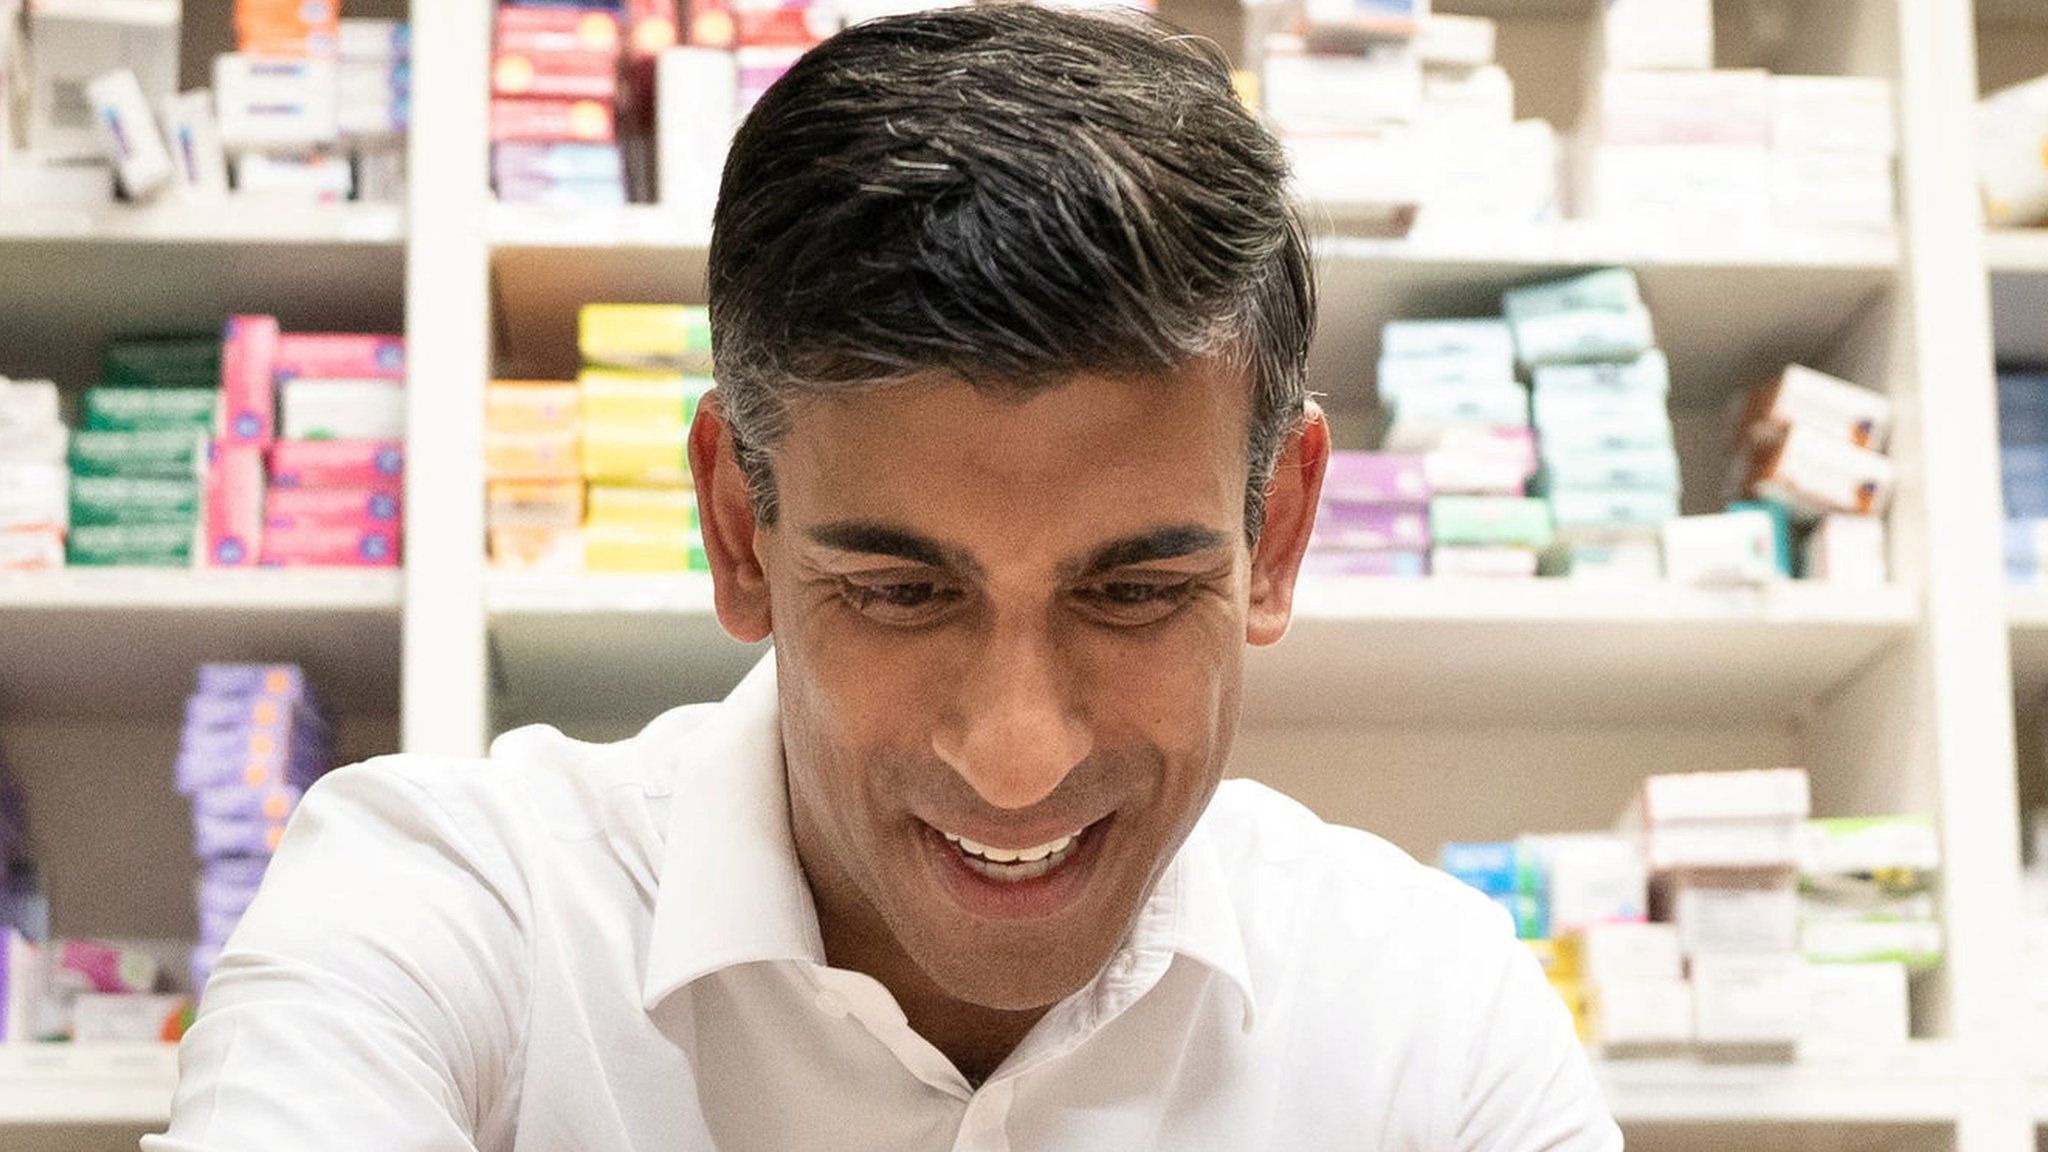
x: 1135, y: 602
x: 900, y: 602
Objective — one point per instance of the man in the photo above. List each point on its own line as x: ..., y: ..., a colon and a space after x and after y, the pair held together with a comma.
x: 1010, y: 456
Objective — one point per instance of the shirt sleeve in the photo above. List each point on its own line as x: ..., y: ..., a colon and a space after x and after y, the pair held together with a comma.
x: 1530, y: 1086
x: 374, y: 994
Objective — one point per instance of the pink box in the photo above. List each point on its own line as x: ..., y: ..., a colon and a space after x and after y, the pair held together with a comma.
x: 321, y: 546
x: 1373, y: 564
x: 234, y: 504
x: 591, y: 121
x: 339, y: 356
x: 1371, y: 528
x: 336, y: 463
x: 1375, y: 478
x: 248, y: 398
x: 360, y: 508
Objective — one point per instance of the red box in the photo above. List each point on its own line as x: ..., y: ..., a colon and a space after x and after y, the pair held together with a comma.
x: 652, y: 27
x: 782, y: 27
x: 320, y: 546
x: 362, y: 508
x: 564, y: 75
x: 248, y: 365
x: 553, y: 121
x: 557, y: 30
x: 337, y: 463
x: 234, y: 505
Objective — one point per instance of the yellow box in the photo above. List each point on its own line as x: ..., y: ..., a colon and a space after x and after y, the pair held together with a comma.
x: 630, y: 548
x: 1573, y: 994
x: 670, y: 336
x: 612, y: 396
x: 532, y: 455
x: 532, y: 406
x: 535, y: 504
x: 618, y: 454
x: 672, y: 509
x: 558, y: 550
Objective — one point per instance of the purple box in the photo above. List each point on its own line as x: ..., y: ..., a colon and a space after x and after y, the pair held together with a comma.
x: 246, y: 714
x: 216, y: 925
x: 1378, y: 564
x: 197, y: 772
x: 204, y: 957
x: 233, y: 873
x: 283, y: 681
x: 1375, y: 478
x: 214, y: 837
x: 1371, y: 528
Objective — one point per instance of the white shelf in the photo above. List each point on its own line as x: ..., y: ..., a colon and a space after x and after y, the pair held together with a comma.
x: 636, y: 226
x: 1920, y: 1084
x: 87, y: 1084
x: 1361, y: 651
x: 2016, y: 251
x: 230, y: 222
x: 120, y: 640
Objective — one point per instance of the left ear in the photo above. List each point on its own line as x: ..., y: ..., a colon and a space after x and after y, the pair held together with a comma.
x: 1291, y: 500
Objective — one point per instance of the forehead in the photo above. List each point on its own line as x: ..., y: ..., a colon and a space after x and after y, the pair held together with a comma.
x: 1125, y: 450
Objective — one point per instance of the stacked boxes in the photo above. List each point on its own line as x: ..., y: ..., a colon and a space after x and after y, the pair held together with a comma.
x: 1478, y: 165
x: 335, y: 495
x: 1722, y: 848
x: 140, y: 464
x: 555, y: 106
x: 1374, y: 517
x: 34, y: 479
x: 1609, y: 467
x: 1867, y: 917
x: 1810, y: 448
x: 374, y: 105
x: 646, y: 368
x: 254, y: 741
x: 595, y: 474
x: 1449, y: 391
x: 1832, y: 144
x: 2012, y: 154
x: 2023, y: 455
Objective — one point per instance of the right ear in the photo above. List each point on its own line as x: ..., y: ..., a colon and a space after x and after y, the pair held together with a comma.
x: 725, y: 509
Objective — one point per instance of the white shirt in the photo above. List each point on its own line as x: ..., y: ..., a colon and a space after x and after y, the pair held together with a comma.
x: 575, y: 946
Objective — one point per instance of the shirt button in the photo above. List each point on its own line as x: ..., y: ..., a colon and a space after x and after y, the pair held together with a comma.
x: 832, y: 1004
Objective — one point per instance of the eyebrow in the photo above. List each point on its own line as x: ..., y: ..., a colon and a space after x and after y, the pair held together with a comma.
x: 873, y: 539
x: 1169, y: 543
x: 876, y: 539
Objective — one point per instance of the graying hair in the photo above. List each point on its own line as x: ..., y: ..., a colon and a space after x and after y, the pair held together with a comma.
x: 1009, y: 196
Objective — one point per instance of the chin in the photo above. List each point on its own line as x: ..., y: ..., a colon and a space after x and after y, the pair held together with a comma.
x: 1035, y: 982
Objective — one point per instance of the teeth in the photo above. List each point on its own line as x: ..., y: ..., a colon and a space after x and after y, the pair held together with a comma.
x: 1012, y: 864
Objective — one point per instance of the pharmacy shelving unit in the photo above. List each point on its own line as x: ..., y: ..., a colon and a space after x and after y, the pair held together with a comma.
x: 1422, y: 711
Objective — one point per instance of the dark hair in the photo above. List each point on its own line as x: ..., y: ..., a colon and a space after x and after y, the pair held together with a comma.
x: 1009, y: 195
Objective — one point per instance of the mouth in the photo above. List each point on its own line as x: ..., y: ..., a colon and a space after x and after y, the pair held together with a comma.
x: 1016, y: 883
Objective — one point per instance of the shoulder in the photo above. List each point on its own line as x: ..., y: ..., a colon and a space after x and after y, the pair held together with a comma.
x: 1342, y: 887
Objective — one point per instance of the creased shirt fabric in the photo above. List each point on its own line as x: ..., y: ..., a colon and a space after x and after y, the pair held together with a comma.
x: 576, y: 946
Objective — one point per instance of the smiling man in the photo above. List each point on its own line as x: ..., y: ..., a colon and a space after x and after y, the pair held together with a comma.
x: 1011, y: 458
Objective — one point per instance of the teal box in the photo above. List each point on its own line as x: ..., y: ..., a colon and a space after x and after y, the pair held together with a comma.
x: 1654, y: 469
x: 1610, y: 508
x: 1648, y: 373
x: 1613, y: 432
x: 1597, y: 316
x: 1531, y: 913
x: 1490, y: 520
x: 116, y: 409
x: 101, y: 500
x: 1781, y: 529
x: 1561, y: 410
x: 1400, y: 378
x: 162, y: 361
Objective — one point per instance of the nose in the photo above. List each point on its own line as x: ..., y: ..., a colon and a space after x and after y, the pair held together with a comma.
x: 1013, y: 732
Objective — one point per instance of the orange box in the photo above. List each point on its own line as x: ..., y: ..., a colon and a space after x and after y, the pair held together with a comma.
x: 533, y: 455
x: 537, y: 549
x: 532, y: 406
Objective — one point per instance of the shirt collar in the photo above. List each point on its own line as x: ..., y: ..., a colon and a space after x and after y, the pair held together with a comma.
x: 733, y: 892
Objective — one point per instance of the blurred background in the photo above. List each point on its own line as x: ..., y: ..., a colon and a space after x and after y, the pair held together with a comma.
x: 1682, y: 580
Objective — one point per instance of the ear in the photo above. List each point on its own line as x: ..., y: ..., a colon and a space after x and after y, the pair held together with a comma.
x: 725, y: 508
x: 1291, y: 501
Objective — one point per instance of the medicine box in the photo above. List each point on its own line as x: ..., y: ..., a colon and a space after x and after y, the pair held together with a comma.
x: 1544, y: 336
x: 1812, y: 473
x: 661, y: 508
x: 1649, y: 373
x: 72, y: 41
x: 310, y: 177
x: 198, y: 158
x: 1917, y: 944
x: 1615, y: 562
x: 557, y: 550
x: 1753, y: 1004
x: 1591, y: 878
x: 630, y: 455
x: 1372, y: 528
x: 339, y: 355
x: 128, y: 129
x: 1399, y: 376
x: 533, y: 406
x: 134, y: 500
x: 1753, y: 794
x: 100, y: 1018
x: 696, y: 93
x: 1375, y: 478
x: 1449, y: 41
x: 1368, y: 180
x: 589, y: 121
x: 558, y: 163
x: 1730, y: 548
x: 275, y: 102
x: 314, y: 409
x: 1640, y: 1017
x: 111, y: 409
x: 1673, y: 35
x: 1461, y: 100
x: 1847, y: 550
x: 1490, y: 520
x: 649, y: 337
x: 361, y: 508
x: 248, y: 407
x: 1855, y: 1009
x: 544, y: 455
x: 162, y: 362
x: 1482, y: 340
x: 1483, y: 562
x: 546, y: 28
x: 1850, y: 114
x: 2012, y: 167
x: 132, y: 545
x: 1564, y: 408
x: 632, y: 548
x: 1311, y: 92
x: 336, y: 463
x: 642, y: 400
x: 1803, y: 398
x: 535, y: 503
x: 1652, y: 469
x: 1615, y: 953
x: 234, y: 505
x: 1422, y: 416
x: 1461, y: 466
x: 1592, y: 512
x: 1641, y: 108
x: 1495, y: 867
x: 1393, y: 565
x: 1723, y: 188
x: 171, y: 453
x: 34, y: 496
x: 320, y: 545
x: 1731, y: 910
x: 560, y: 75
x: 1833, y: 190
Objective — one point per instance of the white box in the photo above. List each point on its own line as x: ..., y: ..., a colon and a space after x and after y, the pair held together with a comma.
x: 1592, y: 878
x: 1481, y: 99
x: 276, y: 104
x: 129, y: 132
x: 697, y: 113
x: 1815, y: 473
x: 1619, y: 953
x: 1914, y: 943
x: 1844, y: 847
x: 1366, y: 180
x: 1455, y: 41
x: 1641, y: 1015
x: 30, y: 550
x: 1754, y: 794
x: 198, y: 161
x: 1612, y: 563
x: 364, y: 39
x: 1722, y: 188
x: 1847, y: 550
x: 1482, y: 563
x: 1847, y: 191
x: 72, y: 41
x: 319, y: 177
x: 1733, y: 911
x: 1653, y: 34
x: 1820, y: 403
x: 124, y: 1019
x: 1833, y: 114
x: 1754, y: 1003
x: 28, y: 178
x: 1505, y: 177
x: 1399, y: 375
x: 35, y: 496
x: 2012, y: 154
x: 28, y: 404
x: 341, y: 409
x: 1730, y: 107
x: 1486, y: 340
x: 1324, y: 92
x: 1723, y: 549
x: 1855, y: 1009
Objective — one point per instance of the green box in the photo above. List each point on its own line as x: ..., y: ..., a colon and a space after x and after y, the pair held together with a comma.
x: 1490, y: 520
x: 162, y: 362
x: 132, y: 545
x: 1611, y: 509
x: 171, y: 453
x: 110, y: 408
x: 99, y: 500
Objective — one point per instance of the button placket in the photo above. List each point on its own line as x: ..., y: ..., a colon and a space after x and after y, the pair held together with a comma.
x: 985, y: 1127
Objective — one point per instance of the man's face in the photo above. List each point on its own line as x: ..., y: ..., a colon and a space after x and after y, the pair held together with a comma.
x: 1009, y: 636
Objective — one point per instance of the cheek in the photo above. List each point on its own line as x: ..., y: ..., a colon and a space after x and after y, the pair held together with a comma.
x: 861, y: 693
x: 1175, y: 693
